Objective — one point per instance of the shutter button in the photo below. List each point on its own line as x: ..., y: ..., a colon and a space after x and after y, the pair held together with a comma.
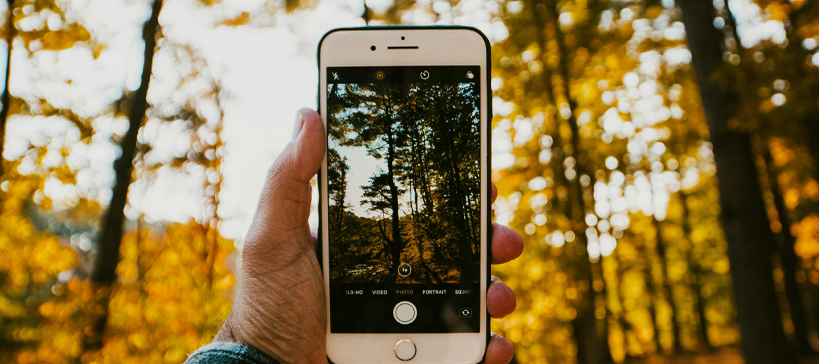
x: 405, y: 350
x: 404, y: 312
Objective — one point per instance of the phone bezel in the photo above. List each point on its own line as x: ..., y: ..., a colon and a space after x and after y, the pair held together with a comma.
x: 438, y: 46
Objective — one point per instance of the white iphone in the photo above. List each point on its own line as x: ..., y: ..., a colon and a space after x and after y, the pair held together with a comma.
x: 405, y: 193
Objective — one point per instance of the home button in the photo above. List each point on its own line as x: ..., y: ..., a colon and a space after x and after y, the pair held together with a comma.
x: 405, y: 350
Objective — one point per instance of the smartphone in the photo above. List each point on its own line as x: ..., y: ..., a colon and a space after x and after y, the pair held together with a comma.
x: 405, y: 193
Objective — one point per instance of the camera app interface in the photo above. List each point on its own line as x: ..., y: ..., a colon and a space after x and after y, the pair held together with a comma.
x: 403, y: 171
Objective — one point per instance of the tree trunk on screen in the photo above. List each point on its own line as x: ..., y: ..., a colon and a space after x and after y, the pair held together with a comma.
x: 396, y: 223
x: 789, y: 261
x: 6, y: 98
x: 744, y: 218
x: 103, y: 271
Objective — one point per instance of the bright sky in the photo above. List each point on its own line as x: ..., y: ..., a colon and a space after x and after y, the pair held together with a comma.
x: 362, y: 167
x: 267, y: 69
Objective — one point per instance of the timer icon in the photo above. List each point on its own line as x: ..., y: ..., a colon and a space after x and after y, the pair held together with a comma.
x: 424, y: 74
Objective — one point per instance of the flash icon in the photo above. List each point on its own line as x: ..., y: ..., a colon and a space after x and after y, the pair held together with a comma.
x: 335, y: 76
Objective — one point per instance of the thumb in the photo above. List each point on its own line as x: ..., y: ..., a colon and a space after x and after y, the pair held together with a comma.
x: 284, y: 206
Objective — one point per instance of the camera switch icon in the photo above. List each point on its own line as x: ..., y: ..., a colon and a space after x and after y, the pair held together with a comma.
x: 465, y: 312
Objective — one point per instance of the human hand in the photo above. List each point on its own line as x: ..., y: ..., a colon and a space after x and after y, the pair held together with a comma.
x: 280, y: 305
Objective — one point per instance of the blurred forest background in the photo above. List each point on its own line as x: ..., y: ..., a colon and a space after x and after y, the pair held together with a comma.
x: 664, y: 222
x: 421, y: 205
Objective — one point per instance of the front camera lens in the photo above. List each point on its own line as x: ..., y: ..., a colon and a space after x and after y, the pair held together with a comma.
x: 372, y: 48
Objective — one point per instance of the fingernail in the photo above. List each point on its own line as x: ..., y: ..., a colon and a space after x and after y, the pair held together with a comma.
x: 298, y: 125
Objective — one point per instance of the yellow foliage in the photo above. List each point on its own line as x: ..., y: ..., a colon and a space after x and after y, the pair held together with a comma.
x: 777, y: 12
x: 780, y: 153
x: 241, y: 19
x: 167, y: 303
x: 162, y: 309
x: 807, y: 234
x: 811, y: 190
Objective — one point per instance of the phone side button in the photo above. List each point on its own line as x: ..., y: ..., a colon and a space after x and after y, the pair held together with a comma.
x: 405, y: 350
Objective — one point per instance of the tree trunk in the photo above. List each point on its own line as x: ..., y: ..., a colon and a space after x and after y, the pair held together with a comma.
x: 810, y: 125
x: 212, y: 222
x: 396, y: 223
x: 584, y: 325
x: 744, y: 218
x: 367, y: 14
x: 667, y: 287
x: 697, y: 271
x: 103, y: 271
x: 591, y: 334
x: 460, y: 204
x: 652, y: 304
x: 6, y: 98
x: 797, y: 71
x: 789, y: 261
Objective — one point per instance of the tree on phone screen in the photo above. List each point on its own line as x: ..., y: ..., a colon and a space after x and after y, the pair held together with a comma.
x: 418, y: 187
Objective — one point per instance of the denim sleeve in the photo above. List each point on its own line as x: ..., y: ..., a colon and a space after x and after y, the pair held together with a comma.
x: 229, y: 353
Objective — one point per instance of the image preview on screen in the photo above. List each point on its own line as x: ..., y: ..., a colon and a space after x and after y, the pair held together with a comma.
x: 404, y: 198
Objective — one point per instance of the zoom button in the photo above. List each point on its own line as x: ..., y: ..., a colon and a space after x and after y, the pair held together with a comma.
x: 404, y: 270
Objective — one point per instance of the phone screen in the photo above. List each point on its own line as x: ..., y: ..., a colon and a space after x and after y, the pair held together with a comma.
x: 404, y: 187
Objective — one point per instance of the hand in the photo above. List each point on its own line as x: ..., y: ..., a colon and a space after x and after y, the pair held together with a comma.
x: 279, y: 305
